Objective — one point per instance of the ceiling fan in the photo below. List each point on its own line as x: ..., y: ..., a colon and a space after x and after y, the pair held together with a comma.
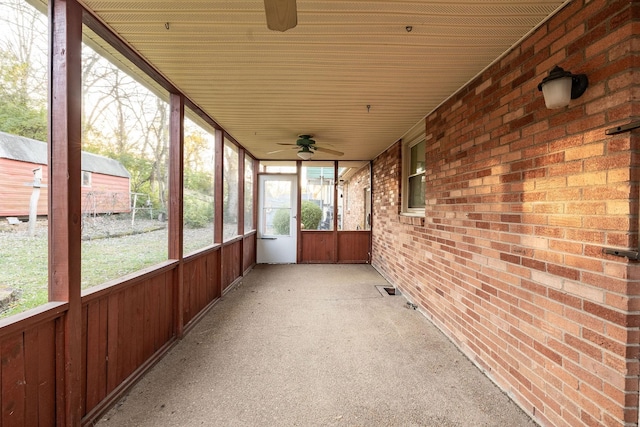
x: 282, y: 15
x: 307, y: 147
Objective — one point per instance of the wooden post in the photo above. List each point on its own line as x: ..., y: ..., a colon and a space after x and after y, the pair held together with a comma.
x: 336, y: 246
x: 299, y: 212
x: 241, y: 189
x: 176, y: 160
x: 218, y: 191
x: 64, y: 151
x: 218, y: 186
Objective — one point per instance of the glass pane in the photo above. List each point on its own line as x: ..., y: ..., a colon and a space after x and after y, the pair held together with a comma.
x: 275, y: 166
x: 417, y: 190
x: 417, y: 158
x: 248, y: 194
x: 277, y: 208
x: 23, y: 124
x: 230, y: 202
x: 354, y: 196
x: 199, y: 167
x: 317, y: 196
x: 125, y: 143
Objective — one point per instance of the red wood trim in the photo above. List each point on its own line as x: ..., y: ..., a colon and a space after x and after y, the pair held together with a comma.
x: 241, y: 189
x: 241, y: 184
x: 176, y: 156
x: 299, y: 212
x: 119, y: 284
x: 176, y: 163
x: 98, y: 27
x: 218, y: 186
x: 31, y: 318
x: 256, y: 166
x: 336, y: 246
x: 65, y: 87
x: 203, y: 251
x: 370, y: 209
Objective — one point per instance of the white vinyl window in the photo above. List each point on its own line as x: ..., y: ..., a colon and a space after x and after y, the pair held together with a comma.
x: 414, y: 181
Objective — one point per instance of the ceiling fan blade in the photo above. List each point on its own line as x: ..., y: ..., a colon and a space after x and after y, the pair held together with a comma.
x: 327, y: 150
x: 280, y: 151
x: 284, y: 143
x: 281, y: 14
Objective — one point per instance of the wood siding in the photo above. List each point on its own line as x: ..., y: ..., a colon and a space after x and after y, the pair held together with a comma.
x: 201, y: 282
x: 318, y: 247
x: 353, y: 246
x: 231, y: 263
x: 121, y: 329
x: 15, y: 191
x: 107, y: 194
x: 29, y: 355
x: 249, y: 251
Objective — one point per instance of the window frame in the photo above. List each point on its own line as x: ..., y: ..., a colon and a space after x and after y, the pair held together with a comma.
x: 406, y: 167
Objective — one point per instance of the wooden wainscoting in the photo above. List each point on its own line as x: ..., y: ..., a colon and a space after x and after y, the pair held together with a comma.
x: 326, y: 247
x: 31, y: 355
x: 249, y: 251
x: 318, y: 247
x: 123, y: 327
x: 231, y: 262
x: 354, y: 247
x: 201, y: 285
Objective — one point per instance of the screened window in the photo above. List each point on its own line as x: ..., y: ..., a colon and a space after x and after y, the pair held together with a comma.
x: 354, y: 196
x: 230, y: 191
x: 198, y: 182
x: 248, y: 194
x: 317, y: 205
x: 125, y: 138
x: 23, y: 122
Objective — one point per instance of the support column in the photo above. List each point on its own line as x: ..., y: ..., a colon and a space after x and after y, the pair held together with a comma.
x: 64, y: 155
x: 176, y: 164
x: 219, y: 186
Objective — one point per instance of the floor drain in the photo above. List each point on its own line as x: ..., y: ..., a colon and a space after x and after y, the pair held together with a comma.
x: 388, y: 290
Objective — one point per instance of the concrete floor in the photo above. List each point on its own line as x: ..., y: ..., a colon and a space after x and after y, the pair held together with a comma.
x: 314, y: 345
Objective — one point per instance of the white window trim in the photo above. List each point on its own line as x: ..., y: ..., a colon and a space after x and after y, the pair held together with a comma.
x: 406, y: 166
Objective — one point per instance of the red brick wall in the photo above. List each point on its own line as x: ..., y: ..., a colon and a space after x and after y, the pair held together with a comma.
x: 353, y: 192
x: 521, y: 201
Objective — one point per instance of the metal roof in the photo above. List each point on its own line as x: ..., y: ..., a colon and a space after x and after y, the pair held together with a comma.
x: 30, y: 150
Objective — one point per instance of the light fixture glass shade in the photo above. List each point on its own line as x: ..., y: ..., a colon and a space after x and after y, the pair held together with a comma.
x: 305, y: 154
x: 557, y: 92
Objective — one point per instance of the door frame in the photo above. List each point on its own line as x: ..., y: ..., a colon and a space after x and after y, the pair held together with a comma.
x: 262, y: 241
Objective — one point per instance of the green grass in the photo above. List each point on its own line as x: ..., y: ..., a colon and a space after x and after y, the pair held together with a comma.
x: 23, y: 268
x: 23, y: 261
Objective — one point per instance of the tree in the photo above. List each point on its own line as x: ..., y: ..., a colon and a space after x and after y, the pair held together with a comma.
x: 311, y: 215
x: 23, y: 70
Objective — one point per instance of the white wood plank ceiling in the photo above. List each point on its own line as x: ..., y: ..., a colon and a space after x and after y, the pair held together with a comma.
x: 266, y: 87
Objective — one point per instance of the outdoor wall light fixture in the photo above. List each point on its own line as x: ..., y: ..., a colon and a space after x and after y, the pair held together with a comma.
x: 560, y: 87
x: 305, y: 153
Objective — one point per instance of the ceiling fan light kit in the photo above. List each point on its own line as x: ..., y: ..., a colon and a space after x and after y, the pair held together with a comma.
x: 305, y: 153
